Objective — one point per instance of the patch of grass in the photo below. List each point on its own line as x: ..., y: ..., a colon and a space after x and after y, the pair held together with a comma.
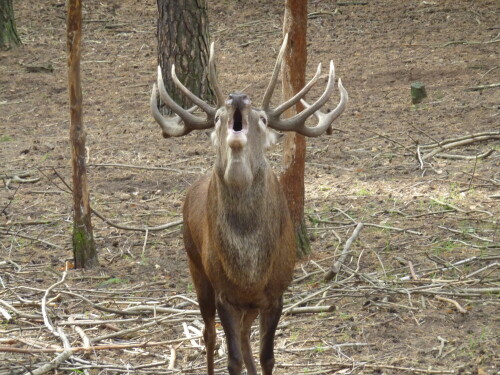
x: 363, y: 193
x: 113, y: 281
x: 45, y: 156
x: 388, y: 246
x: 319, y: 349
x: 345, y: 316
x: 476, y: 341
x: 444, y: 247
x: 6, y: 138
x: 438, y: 95
x: 144, y: 260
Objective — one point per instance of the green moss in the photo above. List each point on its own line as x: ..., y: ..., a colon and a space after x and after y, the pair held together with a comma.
x: 303, y: 243
x: 84, y: 251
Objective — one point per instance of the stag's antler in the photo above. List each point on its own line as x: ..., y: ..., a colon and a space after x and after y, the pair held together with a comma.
x: 185, y: 121
x: 297, y: 122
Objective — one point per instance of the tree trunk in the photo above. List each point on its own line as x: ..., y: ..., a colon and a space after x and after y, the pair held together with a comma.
x: 293, y: 70
x: 8, y: 31
x: 84, y: 250
x: 183, y: 40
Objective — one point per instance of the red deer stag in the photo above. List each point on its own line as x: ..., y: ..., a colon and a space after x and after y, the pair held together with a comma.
x: 238, y: 234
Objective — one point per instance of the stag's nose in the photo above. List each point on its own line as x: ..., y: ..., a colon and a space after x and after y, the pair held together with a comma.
x: 238, y: 100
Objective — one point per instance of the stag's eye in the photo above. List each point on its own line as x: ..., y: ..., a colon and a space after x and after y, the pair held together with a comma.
x: 217, y: 118
x: 264, y: 120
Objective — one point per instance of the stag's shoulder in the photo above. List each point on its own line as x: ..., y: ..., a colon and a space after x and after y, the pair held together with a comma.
x: 196, y: 199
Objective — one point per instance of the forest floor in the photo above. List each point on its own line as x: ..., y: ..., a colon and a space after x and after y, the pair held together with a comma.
x: 418, y: 292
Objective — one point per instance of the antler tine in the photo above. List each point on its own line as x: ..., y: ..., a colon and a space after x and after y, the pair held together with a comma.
x: 297, y: 122
x: 200, y: 103
x: 290, y: 102
x: 212, y: 77
x: 270, y: 88
x: 330, y: 117
x: 190, y: 121
x: 170, y: 127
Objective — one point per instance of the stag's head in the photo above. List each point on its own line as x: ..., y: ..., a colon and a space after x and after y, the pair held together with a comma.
x: 242, y: 132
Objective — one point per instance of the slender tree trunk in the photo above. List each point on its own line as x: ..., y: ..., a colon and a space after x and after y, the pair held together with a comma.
x: 183, y: 40
x: 294, y: 68
x: 8, y: 31
x: 84, y: 250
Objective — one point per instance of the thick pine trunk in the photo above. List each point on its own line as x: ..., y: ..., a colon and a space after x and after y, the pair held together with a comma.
x: 84, y: 250
x: 8, y: 31
x: 294, y: 68
x: 183, y: 40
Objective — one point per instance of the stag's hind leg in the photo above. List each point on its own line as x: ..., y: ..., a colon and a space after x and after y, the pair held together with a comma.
x: 269, y: 319
x: 206, y: 302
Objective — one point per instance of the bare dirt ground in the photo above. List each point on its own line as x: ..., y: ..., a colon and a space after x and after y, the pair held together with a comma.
x: 430, y: 245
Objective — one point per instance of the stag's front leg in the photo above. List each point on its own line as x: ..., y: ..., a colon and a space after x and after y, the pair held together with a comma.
x: 246, y: 327
x: 206, y: 302
x: 230, y: 318
x: 269, y: 319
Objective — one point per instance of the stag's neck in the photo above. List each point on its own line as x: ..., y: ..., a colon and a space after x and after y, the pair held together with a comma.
x: 241, y: 199
x: 245, y: 224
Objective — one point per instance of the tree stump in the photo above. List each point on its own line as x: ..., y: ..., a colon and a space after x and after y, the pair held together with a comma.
x: 418, y: 92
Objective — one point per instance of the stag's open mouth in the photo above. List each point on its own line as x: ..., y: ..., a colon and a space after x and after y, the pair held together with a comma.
x: 238, y: 129
x: 237, y: 124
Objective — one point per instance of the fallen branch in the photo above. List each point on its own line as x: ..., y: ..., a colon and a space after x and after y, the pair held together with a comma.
x: 67, y: 352
x: 451, y: 140
x: 137, y: 229
x: 453, y: 302
x: 466, y: 42
x: 81, y: 333
x: 458, y: 209
x: 338, y: 264
x: 127, y: 331
x: 128, y: 166
x: 144, y: 344
x: 311, y: 310
x: 314, y: 15
x: 483, y: 87
x: 9, y: 233
x: 466, y: 234
x: 44, y: 304
x: 445, y: 145
x: 18, y: 312
x: 346, y: 3
x: 465, y: 157
x: 410, y: 231
x: 6, y: 316
x: 388, y: 138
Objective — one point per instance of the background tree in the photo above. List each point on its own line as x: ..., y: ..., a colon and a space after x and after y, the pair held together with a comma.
x: 293, y: 70
x: 84, y: 250
x: 8, y: 31
x: 183, y: 40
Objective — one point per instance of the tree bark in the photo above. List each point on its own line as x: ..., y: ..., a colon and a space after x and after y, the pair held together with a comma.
x: 183, y: 41
x: 8, y: 32
x: 84, y: 250
x: 293, y: 70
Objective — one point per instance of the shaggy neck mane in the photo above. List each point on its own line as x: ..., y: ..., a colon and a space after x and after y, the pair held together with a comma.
x: 245, y: 229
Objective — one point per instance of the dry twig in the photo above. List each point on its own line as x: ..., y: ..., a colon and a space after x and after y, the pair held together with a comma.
x: 338, y: 264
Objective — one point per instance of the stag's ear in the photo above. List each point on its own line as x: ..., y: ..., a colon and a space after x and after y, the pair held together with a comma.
x: 213, y: 134
x: 214, y: 137
x: 272, y: 136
